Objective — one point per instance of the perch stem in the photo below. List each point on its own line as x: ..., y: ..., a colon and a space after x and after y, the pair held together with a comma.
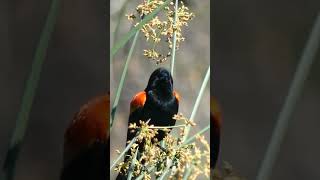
x: 174, y: 39
x: 196, y: 105
x: 294, y: 93
x: 29, y: 93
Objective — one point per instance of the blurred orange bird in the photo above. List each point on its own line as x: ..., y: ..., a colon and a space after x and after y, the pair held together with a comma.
x: 215, y: 116
x: 86, y: 142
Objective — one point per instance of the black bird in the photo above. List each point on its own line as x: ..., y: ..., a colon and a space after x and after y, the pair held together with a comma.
x: 158, y: 102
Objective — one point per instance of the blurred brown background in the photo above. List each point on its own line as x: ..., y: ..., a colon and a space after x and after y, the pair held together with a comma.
x: 257, y: 45
x: 74, y: 71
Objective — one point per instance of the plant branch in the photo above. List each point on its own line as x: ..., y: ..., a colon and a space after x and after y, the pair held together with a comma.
x: 295, y: 90
x: 174, y: 38
x: 196, y: 105
x: 123, y: 152
x: 29, y: 93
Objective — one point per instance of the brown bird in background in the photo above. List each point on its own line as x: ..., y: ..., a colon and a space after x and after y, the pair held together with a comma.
x: 215, y: 116
x: 86, y: 142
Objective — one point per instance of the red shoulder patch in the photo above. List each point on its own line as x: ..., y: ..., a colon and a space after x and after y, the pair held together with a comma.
x: 138, y: 101
x: 90, y: 124
x: 177, y: 95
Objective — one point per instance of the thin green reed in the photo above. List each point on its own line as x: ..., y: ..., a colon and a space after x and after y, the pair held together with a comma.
x: 29, y: 93
x: 192, y: 138
x: 295, y: 90
x: 120, y: 14
x: 187, y: 173
x: 132, y: 165
x: 197, y: 103
x: 122, y: 79
x: 174, y: 38
x: 165, y: 172
x: 123, y: 152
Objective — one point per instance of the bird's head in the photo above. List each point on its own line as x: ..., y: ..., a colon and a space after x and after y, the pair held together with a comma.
x: 160, y: 81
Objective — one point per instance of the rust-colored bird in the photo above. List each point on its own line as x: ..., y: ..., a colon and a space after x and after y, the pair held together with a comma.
x: 215, y: 116
x: 86, y: 142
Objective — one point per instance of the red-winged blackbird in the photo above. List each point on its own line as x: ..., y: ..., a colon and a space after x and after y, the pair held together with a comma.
x: 86, y: 142
x: 215, y: 116
x: 158, y: 102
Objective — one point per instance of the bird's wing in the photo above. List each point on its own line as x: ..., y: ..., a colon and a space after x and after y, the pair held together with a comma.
x: 177, y: 95
x: 138, y: 101
x: 88, y: 126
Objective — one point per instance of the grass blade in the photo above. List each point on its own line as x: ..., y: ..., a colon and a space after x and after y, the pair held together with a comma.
x: 29, y: 93
x: 166, y: 170
x: 187, y: 174
x: 192, y: 138
x: 295, y: 90
x: 196, y: 105
x: 130, y: 174
x: 174, y: 39
x: 122, y: 79
x: 142, y: 175
x: 133, y: 31
x: 120, y: 15
x: 123, y: 152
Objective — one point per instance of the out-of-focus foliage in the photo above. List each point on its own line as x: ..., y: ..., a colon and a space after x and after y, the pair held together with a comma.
x: 226, y: 172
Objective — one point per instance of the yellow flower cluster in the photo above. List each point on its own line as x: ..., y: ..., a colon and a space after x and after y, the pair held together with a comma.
x: 170, y: 156
x: 157, y: 30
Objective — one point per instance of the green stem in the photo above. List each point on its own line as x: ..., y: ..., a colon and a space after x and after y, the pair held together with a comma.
x: 196, y: 105
x: 165, y: 172
x: 123, y: 152
x: 149, y: 170
x: 166, y: 127
x: 122, y: 79
x: 130, y: 175
x: 295, y: 90
x: 121, y: 15
x: 174, y: 38
x: 187, y: 174
x: 116, y: 31
x: 29, y: 93
x: 195, y: 135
